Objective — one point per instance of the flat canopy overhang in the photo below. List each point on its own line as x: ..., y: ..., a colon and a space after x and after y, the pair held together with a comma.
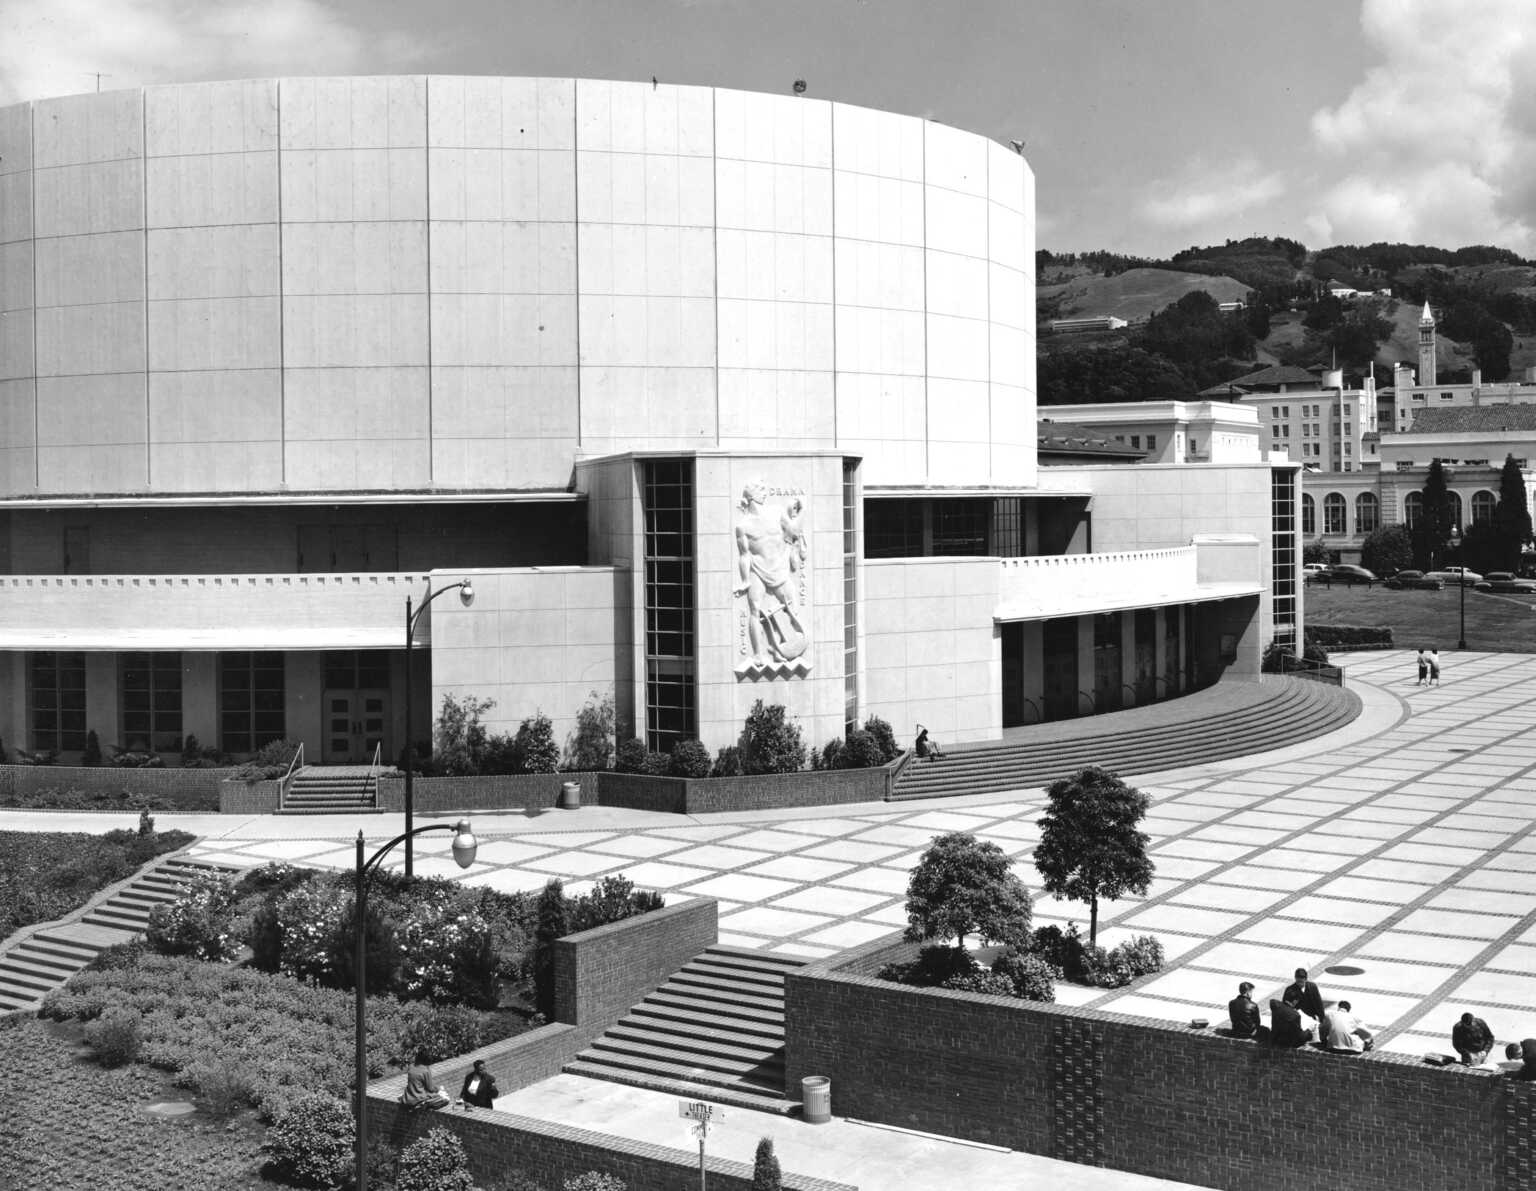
x: 1205, y: 593
x: 235, y: 637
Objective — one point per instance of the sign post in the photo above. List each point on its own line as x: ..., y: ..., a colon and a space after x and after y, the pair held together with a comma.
x: 701, y: 1113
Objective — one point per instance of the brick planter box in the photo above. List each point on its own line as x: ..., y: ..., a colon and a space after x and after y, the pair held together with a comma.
x: 197, y: 788
x: 493, y: 792
x: 1156, y: 1098
x: 237, y: 797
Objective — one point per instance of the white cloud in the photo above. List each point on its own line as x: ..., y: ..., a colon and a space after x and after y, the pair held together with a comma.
x: 1208, y: 191
x: 1437, y: 144
x: 55, y: 47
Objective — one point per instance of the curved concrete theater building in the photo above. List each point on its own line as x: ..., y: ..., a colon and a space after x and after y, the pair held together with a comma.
x: 714, y: 396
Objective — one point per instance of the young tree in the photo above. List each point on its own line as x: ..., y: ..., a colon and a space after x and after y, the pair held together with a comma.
x: 551, y: 922
x: 771, y: 741
x: 590, y: 746
x: 964, y: 886
x: 1433, y: 532
x: 458, y: 746
x: 1090, y: 846
x: 1511, y: 516
x: 534, y: 745
x: 1317, y: 550
x: 766, y: 1172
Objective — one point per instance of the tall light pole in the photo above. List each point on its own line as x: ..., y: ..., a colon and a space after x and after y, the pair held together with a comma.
x: 466, y: 597
x: 1461, y: 582
x: 464, y: 848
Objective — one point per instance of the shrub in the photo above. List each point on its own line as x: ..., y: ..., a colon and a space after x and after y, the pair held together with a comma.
x: 269, y: 762
x: 727, y: 762
x: 92, y: 753
x: 657, y: 764
x: 990, y: 983
x: 766, y: 1174
x: 552, y: 922
x: 1277, y: 659
x: 1030, y: 976
x: 934, y: 965
x: 860, y: 751
x: 135, y: 759
x: 884, y: 737
x: 500, y: 755
x: 225, y: 1085
x: 595, y: 1181
x: 198, y: 922
x: 611, y: 899
x: 146, y: 824
x: 689, y: 759
x: 590, y: 745
x: 311, y: 1141
x: 828, y: 757
x: 770, y: 741
x: 1342, y: 636
x: 534, y: 745
x: 115, y: 1038
x: 631, y: 756
x: 436, y: 1162
x: 459, y: 738
x: 5, y: 758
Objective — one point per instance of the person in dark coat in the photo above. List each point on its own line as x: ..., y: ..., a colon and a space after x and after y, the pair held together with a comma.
x: 1243, y: 1012
x: 479, y: 1088
x: 1472, y: 1039
x: 421, y: 1090
x: 1307, y: 997
x: 1285, y: 1025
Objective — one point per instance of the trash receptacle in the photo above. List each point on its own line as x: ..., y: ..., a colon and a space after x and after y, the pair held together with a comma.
x: 570, y: 796
x: 816, y: 1099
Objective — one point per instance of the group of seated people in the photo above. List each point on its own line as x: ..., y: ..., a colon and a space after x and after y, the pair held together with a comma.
x: 1299, y: 1017
x: 422, y: 1091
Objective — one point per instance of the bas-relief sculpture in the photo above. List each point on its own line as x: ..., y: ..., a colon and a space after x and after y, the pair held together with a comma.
x: 772, y: 590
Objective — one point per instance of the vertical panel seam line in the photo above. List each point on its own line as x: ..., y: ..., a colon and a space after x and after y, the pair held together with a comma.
x: 714, y: 232
x: 282, y: 306
x: 576, y: 245
x: 426, y: 152
x: 149, y: 438
x: 837, y: 440
x: 927, y: 437
x: 37, y: 444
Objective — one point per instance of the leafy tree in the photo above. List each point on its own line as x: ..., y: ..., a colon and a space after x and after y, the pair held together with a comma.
x: 590, y: 745
x: 766, y: 1174
x: 1511, y: 516
x: 551, y: 923
x: 771, y: 741
x: 1090, y: 846
x: 884, y: 737
x: 1079, y: 375
x: 1256, y: 316
x: 534, y: 745
x: 1387, y: 550
x: 965, y: 886
x: 1433, y: 532
x: 460, y: 738
x: 1196, y: 335
x: 1356, y: 336
x: 1317, y: 550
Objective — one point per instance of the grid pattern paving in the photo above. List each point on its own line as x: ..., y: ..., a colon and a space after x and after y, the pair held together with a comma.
x: 1400, y: 869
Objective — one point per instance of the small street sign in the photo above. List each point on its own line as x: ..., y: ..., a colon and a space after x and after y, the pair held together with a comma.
x: 699, y: 1110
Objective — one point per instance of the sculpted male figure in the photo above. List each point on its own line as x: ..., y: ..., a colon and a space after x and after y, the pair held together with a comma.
x: 769, y: 549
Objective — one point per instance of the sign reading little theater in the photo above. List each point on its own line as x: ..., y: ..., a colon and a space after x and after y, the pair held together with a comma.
x: 772, y: 590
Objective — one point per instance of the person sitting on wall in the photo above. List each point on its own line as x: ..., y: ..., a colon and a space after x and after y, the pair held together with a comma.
x: 421, y: 1090
x: 1285, y: 1025
x: 924, y: 747
x: 479, y: 1090
x: 1528, y: 1054
x: 1243, y: 1012
x: 1307, y: 997
x: 1472, y: 1039
x: 1345, y: 1035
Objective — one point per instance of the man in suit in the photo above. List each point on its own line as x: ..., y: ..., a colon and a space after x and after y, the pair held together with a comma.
x: 1243, y: 1013
x: 1307, y: 997
x: 479, y: 1090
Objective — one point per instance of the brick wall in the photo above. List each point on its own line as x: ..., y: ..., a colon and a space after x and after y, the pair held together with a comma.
x: 1139, y: 1095
x: 500, y: 1144
x: 238, y: 797
x: 488, y: 792
x: 198, y: 788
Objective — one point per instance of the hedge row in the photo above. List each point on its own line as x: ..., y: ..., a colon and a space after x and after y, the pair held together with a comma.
x: 1340, y: 636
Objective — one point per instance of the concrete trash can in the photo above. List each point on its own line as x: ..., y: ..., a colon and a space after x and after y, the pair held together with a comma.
x: 570, y: 796
x: 816, y: 1099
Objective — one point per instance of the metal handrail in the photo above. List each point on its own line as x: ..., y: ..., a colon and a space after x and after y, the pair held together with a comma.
x: 293, y: 768
x: 1135, y: 693
x: 1093, y: 702
x: 375, y: 766
x: 1039, y: 714
x: 1158, y: 678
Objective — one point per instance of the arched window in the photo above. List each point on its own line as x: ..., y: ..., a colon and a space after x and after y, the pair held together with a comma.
x: 1453, y: 500
x: 1335, y: 510
x: 1308, y: 515
x: 1413, y: 508
x: 1367, y: 512
x: 1482, y: 507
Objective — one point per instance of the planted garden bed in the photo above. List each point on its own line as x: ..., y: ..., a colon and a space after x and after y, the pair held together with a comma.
x: 47, y: 874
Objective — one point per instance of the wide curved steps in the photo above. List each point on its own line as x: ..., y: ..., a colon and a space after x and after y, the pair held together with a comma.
x: 1227, y: 720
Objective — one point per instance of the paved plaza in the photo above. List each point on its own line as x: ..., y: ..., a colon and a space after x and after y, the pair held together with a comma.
x: 1399, y: 852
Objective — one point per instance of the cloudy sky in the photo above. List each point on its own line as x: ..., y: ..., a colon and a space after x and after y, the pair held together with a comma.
x: 1151, y: 124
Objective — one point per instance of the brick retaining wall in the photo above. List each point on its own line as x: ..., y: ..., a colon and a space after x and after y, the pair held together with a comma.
x: 506, y: 791
x: 237, y: 797
x: 192, y: 785
x: 1156, y: 1098
x: 500, y: 1144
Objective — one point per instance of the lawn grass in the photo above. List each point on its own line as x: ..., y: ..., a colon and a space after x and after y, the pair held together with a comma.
x: 76, y: 1124
x: 1429, y: 619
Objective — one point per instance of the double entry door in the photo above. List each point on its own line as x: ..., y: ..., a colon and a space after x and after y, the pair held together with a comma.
x: 357, y: 706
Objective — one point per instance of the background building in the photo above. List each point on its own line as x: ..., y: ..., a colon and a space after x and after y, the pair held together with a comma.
x: 715, y: 396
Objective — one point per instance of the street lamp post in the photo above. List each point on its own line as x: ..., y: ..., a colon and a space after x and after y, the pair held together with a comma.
x: 464, y: 848
x: 1461, y: 582
x: 466, y: 597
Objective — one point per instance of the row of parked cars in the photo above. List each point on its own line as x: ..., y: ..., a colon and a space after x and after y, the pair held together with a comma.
x: 1348, y: 575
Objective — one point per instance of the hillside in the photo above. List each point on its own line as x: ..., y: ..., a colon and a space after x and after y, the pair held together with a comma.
x: 1134, y: 295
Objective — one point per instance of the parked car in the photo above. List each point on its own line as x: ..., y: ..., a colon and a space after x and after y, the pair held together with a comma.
x: 1308, y: 569
x: 1414, y: 581
x: 1455, y: 575
x: 1505, y: 581
x: 1347, y: 574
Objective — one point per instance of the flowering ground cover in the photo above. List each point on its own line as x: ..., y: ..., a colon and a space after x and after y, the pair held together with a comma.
x: 80, y: 1125
x: 45, y: 875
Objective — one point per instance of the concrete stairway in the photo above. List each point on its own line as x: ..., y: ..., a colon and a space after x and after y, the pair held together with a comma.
x: 1227, y: 720
x: 331, y: 789
x: 717, y: 1023
x: 50, y: 955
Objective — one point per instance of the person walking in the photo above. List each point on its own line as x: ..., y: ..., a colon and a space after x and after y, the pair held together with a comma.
x: 1434, y: 667
x: 1423, y: 668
